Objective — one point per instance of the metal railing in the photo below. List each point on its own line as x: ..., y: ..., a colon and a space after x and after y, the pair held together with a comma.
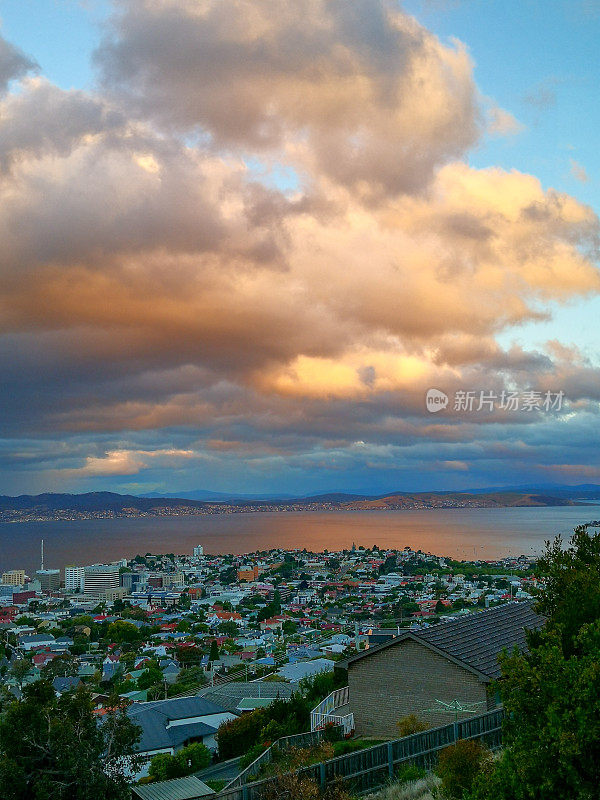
x: 323, y: 714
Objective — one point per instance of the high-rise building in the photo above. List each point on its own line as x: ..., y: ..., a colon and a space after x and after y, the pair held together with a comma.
x: 49, y: 579
x: 198, y: 551
x: 74, y: 578
x: 14, y: 577
x: 99, y: 578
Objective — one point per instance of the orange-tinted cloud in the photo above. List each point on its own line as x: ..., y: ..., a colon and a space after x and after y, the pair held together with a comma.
x: 149, y: 280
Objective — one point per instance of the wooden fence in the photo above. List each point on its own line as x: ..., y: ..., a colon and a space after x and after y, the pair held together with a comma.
x: 299, y: 740
x: 370, y: 768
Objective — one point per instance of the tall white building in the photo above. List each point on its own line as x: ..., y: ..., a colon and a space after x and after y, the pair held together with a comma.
x: 74, y: 578
x: 198, y: 551
x: 100, y: 578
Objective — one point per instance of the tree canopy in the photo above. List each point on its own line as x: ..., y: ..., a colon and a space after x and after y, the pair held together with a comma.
x: 551, y: 694
x: 62, y: 751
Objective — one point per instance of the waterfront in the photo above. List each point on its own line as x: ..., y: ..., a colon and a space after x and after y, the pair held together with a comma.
x: 459, y: 533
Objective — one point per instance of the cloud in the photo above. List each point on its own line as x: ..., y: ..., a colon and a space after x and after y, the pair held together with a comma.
x: 503, y: 123
x: 578, y: 172
x: 14, y: 64
x: 359, y: 92
x: 127, y: 462
x: 542, y: 96
x: 164, y: 309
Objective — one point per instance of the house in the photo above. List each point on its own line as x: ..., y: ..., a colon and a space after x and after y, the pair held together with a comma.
x: 61, y: 685
x: 438, y: 673
x: 169, y: 725
x: 35, y: 640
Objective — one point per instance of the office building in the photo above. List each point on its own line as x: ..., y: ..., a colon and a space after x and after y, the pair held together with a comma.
x: 74, y: 578
x: 198, y: 551
x: 49, y: 579
x: 99, y: 578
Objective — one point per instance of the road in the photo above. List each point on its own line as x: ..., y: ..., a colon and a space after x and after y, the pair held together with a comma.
x: 222, y: 771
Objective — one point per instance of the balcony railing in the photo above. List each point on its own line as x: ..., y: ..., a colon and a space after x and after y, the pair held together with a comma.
x: 324, y: 714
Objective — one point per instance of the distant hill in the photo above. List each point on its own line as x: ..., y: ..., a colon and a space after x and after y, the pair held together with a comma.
x: 457, y: 500
x: 90, y: 501
x: 110, y: 504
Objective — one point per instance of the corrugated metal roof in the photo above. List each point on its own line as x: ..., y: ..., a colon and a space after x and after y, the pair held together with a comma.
x: 189, y: 788
x: 230, y: 695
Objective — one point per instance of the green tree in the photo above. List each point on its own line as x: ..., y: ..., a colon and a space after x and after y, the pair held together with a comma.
x: 61, y: 666
x: 229, y: 628
x: 214, y: 651
x: 20, y: 670
x: 123, y: 631
x: 61, y: 752
x: 189, y: 759
x: 551, y: 693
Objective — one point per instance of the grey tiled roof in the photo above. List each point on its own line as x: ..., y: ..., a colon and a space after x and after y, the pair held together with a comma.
x: 475, y: 639
x: 153, y: 718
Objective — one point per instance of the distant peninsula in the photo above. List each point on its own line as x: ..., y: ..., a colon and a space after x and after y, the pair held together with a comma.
x: 107, y: 505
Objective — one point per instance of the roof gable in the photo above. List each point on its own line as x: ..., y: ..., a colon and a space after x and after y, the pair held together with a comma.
x: 475, y: 640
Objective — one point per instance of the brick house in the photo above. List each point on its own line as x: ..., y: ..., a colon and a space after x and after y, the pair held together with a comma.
x: 432, y: 671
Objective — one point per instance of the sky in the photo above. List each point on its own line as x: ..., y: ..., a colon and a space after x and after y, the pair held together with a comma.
x: 244, y: 240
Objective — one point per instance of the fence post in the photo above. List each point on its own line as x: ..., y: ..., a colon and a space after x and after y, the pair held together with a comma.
x: 456, y: 732
x: 322, y: 776
x: 390, y: 755
x: 244, y: 793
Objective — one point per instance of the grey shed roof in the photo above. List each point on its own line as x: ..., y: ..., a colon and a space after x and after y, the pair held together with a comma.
x: 189, y: 788
x: 304, y: 669
x: 230, y: 695
x: 476, y: 640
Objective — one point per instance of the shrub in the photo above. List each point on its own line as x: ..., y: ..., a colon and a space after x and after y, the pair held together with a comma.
x: 252, y: 755
x: 189, y: 759
x: 458, y: 766
x: 409, y: 725
x: 409, y: 772
x: 332, y: 732
x: 215, y: 784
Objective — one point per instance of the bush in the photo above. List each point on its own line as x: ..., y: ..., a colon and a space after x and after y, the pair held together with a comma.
x: 252, y: 755
x: 215, y: 784
x: 410, y: 772
x: 294, y: 787
x: 189, y: 759
x: 287, y: 717
x: 459, y: 765
x: 332, y: 732
x: 409, y: 725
